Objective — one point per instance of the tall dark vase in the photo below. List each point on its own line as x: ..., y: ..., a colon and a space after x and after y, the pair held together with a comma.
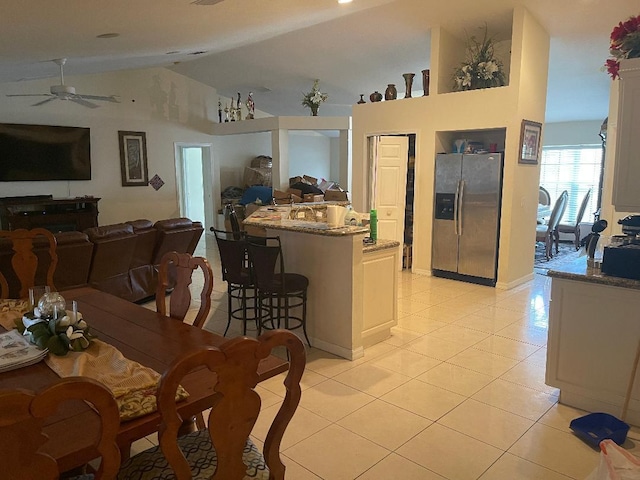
x: 408, y: 82
x: 425, y: 82
x: 391, y: 93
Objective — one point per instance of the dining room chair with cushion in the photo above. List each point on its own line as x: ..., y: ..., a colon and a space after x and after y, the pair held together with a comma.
x: 574, y: 227
x: 549, y: 233
x: 24, y: 261
x: 279, y: 291
x: 224, y: 450
x: 183, y: 264
x: 232, y: 247
x: 23, y: 415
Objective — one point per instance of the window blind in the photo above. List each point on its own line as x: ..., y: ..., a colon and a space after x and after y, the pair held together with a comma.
x: 575, y: 169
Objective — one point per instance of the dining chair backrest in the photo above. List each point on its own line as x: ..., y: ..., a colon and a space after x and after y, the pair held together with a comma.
x: 583, y: 206
x: 183, y: 265
x: 543, y: 196
x: 236, y: 404
x: 233, y: 255
x: 22, y: 417
x: 558, y: 211
x: 235, y: 223
x: 25, y: 262
x: 267, y: 261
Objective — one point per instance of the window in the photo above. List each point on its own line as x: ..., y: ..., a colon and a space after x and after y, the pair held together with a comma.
x: 575, y: 169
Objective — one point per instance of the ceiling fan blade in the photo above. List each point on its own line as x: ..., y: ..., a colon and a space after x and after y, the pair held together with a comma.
x: 110, y: 98
x: 81, y: 101
x: 28, y: 95
x: 44, y: 101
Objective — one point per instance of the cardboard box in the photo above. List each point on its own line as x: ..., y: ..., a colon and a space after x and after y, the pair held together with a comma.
x: 261, y: 161
x: 257, y: 176
x: 293, y: 180
x: 335, y: 196
x: 310, y: 180
x: 311, y: 197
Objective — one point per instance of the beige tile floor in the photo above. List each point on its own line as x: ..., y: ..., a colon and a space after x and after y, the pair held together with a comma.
x: 457, y: 392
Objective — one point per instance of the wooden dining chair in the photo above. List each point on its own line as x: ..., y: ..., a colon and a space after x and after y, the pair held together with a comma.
x: 24, y: 261
x: 224, y: 450
x: 549, y: 233
x: 574, y: 227
x: 180, y: 298
x: 22, y: 417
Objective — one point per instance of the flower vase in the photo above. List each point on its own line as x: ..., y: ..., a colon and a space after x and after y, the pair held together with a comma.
x: 314, y: 110
x: 425, y: 82
x: 391, y: 93
x: 408, y: 82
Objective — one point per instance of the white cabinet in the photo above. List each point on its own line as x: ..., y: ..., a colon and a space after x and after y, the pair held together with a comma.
x: 626, y: 194
x: 593, y: 336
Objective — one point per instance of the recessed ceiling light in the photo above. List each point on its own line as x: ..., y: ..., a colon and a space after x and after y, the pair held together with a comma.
x: 344, y: 1
x: 108, y: 35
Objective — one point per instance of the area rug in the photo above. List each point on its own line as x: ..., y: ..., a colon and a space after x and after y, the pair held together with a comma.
x: 567, y: 254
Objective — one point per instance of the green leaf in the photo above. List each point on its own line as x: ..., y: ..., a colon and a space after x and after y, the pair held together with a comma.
x: 39, y: 328
x: 52, y: 326
x: 41, y: 341
x: 57, y: 346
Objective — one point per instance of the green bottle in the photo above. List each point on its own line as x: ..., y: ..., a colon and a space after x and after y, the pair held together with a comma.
x: 373, y: 225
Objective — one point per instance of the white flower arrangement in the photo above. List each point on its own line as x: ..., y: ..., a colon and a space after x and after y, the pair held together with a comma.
x: 59, y: 333
x: 481, y: 69
x: 315, y: 97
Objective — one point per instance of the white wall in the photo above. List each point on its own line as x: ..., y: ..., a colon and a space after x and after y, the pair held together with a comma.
x: 167, y: 106
x: 572, y: 133
x: 309, y: 154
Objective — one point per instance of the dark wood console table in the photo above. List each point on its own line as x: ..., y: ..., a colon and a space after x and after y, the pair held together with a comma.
x: 55, y: 214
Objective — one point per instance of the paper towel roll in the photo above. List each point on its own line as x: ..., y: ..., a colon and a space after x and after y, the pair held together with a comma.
x: 332, y: 215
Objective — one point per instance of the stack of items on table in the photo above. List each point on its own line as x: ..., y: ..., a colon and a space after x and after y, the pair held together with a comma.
x: 307, y: 189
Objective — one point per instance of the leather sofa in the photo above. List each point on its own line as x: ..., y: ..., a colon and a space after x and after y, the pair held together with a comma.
x: 120, y: 259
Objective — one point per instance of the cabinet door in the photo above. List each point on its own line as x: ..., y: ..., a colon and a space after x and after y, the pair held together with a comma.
x: 626, y: 193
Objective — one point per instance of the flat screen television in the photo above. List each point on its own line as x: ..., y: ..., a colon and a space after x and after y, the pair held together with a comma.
x: 44, y: 152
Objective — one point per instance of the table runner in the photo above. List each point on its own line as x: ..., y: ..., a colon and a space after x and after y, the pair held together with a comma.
x: 133, y: 385
x: 12, y: 310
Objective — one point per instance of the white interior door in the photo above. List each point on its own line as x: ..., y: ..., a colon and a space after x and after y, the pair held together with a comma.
x: 389, y: 189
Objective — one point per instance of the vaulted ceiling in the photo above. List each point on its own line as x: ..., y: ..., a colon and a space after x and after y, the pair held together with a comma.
x: 276, y: 48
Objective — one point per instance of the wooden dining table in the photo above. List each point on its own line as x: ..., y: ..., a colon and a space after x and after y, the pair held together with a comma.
x: 141, y: 335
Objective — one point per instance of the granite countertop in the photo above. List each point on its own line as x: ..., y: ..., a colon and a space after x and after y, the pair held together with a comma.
x: 578, y: 270
x: 272, y: 217
x: 380, y: 245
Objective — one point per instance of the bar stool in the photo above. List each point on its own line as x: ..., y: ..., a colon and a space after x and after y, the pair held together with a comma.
x: 236, y: 272
x: 279, y: 292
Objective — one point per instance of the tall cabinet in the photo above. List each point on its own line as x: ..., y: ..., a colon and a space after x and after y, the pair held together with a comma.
x: 626, y: 193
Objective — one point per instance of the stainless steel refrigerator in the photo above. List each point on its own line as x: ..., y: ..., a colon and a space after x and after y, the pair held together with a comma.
x: 466, y: 223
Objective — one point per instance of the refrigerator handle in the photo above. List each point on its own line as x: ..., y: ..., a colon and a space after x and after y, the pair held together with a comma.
x: 456, y: 206
x: 459, y: 206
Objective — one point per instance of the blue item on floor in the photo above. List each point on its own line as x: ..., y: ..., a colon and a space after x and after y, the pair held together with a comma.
x: 595, y: 427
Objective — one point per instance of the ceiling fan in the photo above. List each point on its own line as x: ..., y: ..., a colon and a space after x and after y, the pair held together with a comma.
x: 66, y: 92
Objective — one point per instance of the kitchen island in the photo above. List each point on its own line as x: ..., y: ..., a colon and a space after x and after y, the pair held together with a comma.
x: 593, y: 336
x: 353, y: 288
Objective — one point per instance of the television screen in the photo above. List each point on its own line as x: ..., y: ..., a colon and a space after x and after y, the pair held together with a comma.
x: 44, y: 152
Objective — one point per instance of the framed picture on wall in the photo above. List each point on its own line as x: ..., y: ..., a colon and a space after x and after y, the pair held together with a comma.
x: 133, y: 159
x: 530, y: 136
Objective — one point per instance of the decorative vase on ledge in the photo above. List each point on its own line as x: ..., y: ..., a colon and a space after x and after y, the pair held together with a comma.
x: 391, y: 93
x: 314, y: 110
x: 408, y: 82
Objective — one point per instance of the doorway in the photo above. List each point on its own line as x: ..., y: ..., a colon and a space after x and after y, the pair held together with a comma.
x: 195, y: 182
x: 392, y: 163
